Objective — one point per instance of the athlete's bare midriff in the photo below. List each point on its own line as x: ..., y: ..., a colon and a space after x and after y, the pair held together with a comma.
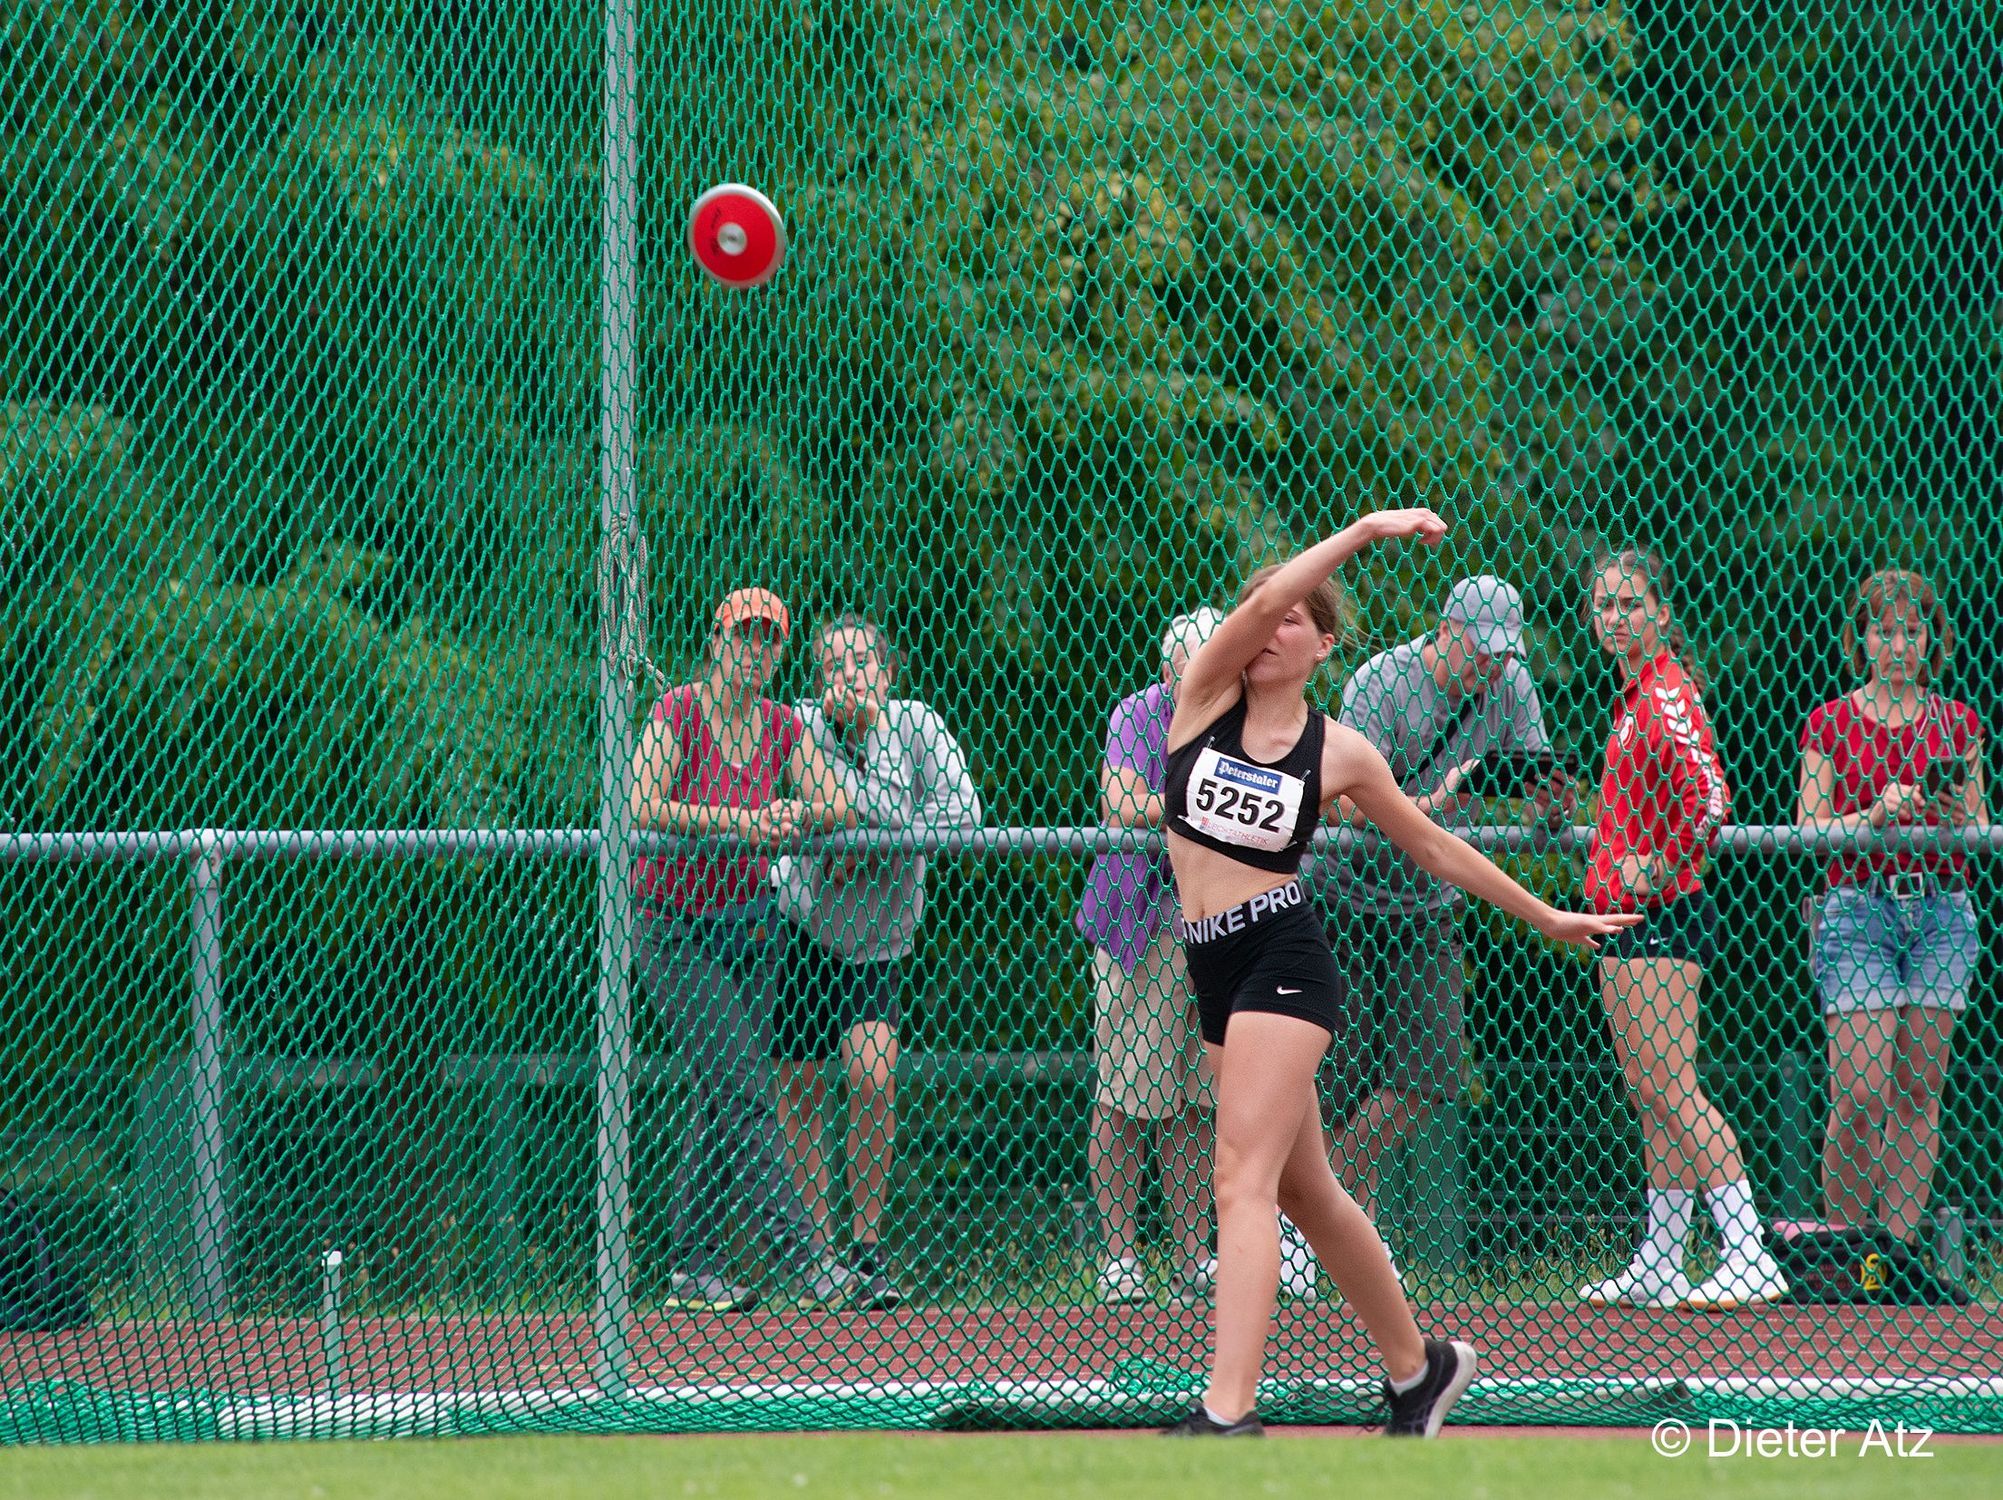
x: 1208, y: 882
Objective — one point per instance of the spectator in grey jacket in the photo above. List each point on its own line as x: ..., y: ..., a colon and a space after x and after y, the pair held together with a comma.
x: 853, y: 921
x: 1433, y: 707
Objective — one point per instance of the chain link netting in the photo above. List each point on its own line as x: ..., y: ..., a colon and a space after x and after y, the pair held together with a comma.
x: 400, y: 1040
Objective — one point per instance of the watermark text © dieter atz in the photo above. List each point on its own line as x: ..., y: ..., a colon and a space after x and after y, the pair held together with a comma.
x: 1725, y: 1438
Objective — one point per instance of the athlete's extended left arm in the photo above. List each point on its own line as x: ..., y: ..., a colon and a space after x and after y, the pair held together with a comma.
x: 1377, y: 796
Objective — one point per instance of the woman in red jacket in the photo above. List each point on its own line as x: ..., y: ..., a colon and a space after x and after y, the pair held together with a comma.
x: 1663, y: 800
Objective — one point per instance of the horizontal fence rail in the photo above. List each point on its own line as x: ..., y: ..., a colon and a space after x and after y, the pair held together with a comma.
x: 476, y: 843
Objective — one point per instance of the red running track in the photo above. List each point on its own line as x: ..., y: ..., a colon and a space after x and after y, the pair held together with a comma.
x: 281, y: 1357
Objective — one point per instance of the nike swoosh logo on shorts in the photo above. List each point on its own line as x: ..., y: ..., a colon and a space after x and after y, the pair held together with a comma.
x: 1285, y: 991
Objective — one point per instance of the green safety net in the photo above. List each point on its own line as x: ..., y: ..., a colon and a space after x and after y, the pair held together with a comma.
x: 371, y: 441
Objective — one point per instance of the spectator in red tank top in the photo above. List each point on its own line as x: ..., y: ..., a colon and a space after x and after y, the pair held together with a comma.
x: 1663, y: 800
x: 709, y: 761
x: 1894, y: 940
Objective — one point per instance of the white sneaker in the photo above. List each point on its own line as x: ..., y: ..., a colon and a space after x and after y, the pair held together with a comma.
x: 1747, y: 1281
x: 1122, y: 1281
x: 1639, y: 1285
x: 1299, y: 1270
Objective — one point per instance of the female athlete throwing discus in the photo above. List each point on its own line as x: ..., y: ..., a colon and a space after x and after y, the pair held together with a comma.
x: 1250, y: 770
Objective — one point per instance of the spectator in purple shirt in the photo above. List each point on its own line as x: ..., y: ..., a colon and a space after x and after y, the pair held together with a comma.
x: 1152, y: 1076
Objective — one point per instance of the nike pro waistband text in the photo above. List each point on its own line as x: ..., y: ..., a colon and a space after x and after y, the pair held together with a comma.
x: 1245, y: 914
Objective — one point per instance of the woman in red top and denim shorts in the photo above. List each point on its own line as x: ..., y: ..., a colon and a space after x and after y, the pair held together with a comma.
x: 1663, y: 801
x: 1895, y: 945
x: 709, y: 761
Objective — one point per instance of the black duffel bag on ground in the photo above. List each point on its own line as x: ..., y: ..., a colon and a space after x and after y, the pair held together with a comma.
x: 1827, y: 1263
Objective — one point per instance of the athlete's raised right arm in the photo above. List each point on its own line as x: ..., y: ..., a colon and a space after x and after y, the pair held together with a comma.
x: 1213, y: 673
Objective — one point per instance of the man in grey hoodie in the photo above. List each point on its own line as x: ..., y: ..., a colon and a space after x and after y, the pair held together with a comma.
x: 852, y: 923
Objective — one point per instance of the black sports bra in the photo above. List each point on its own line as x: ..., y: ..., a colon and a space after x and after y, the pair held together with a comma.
x: 1260, y: 815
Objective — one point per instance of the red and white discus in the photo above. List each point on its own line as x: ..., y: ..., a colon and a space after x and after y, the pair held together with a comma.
x: 736, y: 235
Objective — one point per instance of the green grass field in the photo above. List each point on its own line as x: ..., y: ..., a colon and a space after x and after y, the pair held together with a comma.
x: 1468, y: 1467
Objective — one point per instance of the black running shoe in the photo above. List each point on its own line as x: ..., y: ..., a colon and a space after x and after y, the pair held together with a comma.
x: 1198, y: 1424
x: 1421, y: 1411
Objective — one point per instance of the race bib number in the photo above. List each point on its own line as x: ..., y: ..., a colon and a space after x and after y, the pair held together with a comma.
x: 1236, y: 803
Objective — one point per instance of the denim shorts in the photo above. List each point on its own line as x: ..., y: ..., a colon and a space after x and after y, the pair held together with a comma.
x: 1874, y: 951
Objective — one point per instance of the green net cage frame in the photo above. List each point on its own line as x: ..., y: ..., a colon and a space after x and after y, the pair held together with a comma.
x: 374, y: 459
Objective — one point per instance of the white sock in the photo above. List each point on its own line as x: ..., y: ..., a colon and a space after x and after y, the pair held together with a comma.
x: 1670, y: 1214
x: 1220, y: 1421
x: 1410, y: 1382
x: 1738, y: 1220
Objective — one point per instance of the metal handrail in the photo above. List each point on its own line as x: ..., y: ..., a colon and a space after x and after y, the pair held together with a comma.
x: 478, y: 843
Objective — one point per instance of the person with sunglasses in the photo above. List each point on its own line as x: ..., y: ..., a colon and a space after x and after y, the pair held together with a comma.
x: 712, y: 760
